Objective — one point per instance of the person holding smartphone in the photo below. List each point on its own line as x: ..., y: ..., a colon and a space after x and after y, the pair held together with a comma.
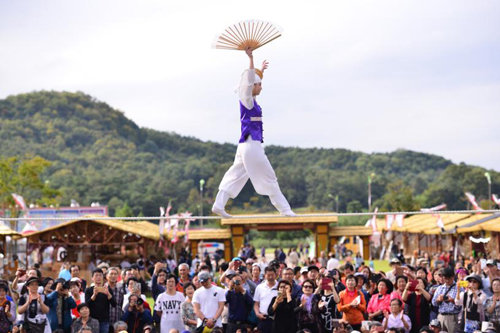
x: 419, y: 303
x: 282, y: 307
x: 328, y: 299
x: 99, y: 297
x: 239, y: 304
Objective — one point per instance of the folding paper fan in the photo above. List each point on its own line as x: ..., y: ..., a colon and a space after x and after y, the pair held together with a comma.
x: 242, y: 35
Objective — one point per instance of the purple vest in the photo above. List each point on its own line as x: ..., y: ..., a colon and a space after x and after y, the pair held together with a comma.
x: 249, y: 127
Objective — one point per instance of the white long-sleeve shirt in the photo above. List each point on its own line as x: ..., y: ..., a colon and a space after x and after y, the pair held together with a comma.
x: 246, y: 88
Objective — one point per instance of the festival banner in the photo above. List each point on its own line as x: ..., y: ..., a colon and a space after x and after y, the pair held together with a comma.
x: 472, y: 200
x: 400, y: 219
x: 20, y: 201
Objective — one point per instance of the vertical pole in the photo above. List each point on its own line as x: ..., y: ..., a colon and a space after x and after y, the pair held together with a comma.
x: 202, y: 182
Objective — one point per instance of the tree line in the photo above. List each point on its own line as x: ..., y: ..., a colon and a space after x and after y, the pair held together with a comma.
x: 91, y: 152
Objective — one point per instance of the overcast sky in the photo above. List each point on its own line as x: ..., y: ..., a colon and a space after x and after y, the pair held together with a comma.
x: 370, y: 76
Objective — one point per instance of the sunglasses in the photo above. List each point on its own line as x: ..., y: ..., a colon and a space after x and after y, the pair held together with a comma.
x: 307, y: 286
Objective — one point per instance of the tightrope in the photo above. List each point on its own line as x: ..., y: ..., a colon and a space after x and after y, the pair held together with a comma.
x: 273, y: 216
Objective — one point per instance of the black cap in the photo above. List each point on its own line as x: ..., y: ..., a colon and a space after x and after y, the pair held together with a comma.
x: 32, y: 279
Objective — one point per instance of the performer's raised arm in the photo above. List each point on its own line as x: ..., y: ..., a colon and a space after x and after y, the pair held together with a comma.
x: 247, y: 81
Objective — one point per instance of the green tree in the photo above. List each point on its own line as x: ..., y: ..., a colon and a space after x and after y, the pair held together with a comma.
x: 23, y: 176
x: 124, y: 211
x: 399, y: 197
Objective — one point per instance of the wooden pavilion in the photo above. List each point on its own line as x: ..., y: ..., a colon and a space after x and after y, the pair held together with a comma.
x: 320, y: 226
x: 112, y: 240
x: 421, y: 232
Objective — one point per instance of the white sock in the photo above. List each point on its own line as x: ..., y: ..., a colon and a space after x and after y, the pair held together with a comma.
x: 279, y: 201
x: 221, y: 200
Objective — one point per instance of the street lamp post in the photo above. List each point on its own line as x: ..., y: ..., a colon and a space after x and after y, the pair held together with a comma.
x: 370, y: 179
x: 488, y: 178
x: 202, y: 182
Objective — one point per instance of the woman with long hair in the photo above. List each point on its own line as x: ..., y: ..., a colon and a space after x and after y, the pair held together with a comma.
x: 282, y: 307
x: 436, y: 281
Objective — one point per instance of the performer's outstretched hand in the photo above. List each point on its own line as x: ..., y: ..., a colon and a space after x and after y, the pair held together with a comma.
x: 265, y: 65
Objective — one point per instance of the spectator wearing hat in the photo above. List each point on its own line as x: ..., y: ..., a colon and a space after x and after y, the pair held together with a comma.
x: 60, y: 305
x: 264, y: 294
x: 492, y: 304
x: 99, y: 298
x: 435, y: 326
x: 391, y: 275
x: 32, y: 307
x: 491, y: 271
x: 208, y: 302
x: 303, y: 274
x: 471, y: 300
x: 444, y: 300
x: 380, y: 302
x: 361, y: 280
x: 137, y: 316
x: 84, y: 319
x: 7, y: 309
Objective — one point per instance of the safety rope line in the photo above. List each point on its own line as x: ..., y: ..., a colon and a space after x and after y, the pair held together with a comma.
x: 274, y: 216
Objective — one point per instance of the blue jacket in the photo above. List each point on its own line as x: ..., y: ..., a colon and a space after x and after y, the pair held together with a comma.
x: 68, y: 304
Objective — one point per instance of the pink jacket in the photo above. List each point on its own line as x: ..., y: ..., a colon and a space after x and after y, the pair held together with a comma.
x: 377, y: 304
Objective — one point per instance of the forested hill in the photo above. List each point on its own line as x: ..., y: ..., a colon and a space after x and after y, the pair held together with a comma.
x: 98, y: 154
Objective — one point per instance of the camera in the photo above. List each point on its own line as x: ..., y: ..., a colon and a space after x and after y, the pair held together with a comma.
x: 237, y: 282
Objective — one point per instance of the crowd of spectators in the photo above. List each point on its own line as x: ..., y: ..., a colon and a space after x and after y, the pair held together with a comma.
x: 250, y: 295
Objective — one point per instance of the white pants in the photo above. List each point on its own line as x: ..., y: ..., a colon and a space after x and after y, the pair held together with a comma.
x: 251, y: 162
